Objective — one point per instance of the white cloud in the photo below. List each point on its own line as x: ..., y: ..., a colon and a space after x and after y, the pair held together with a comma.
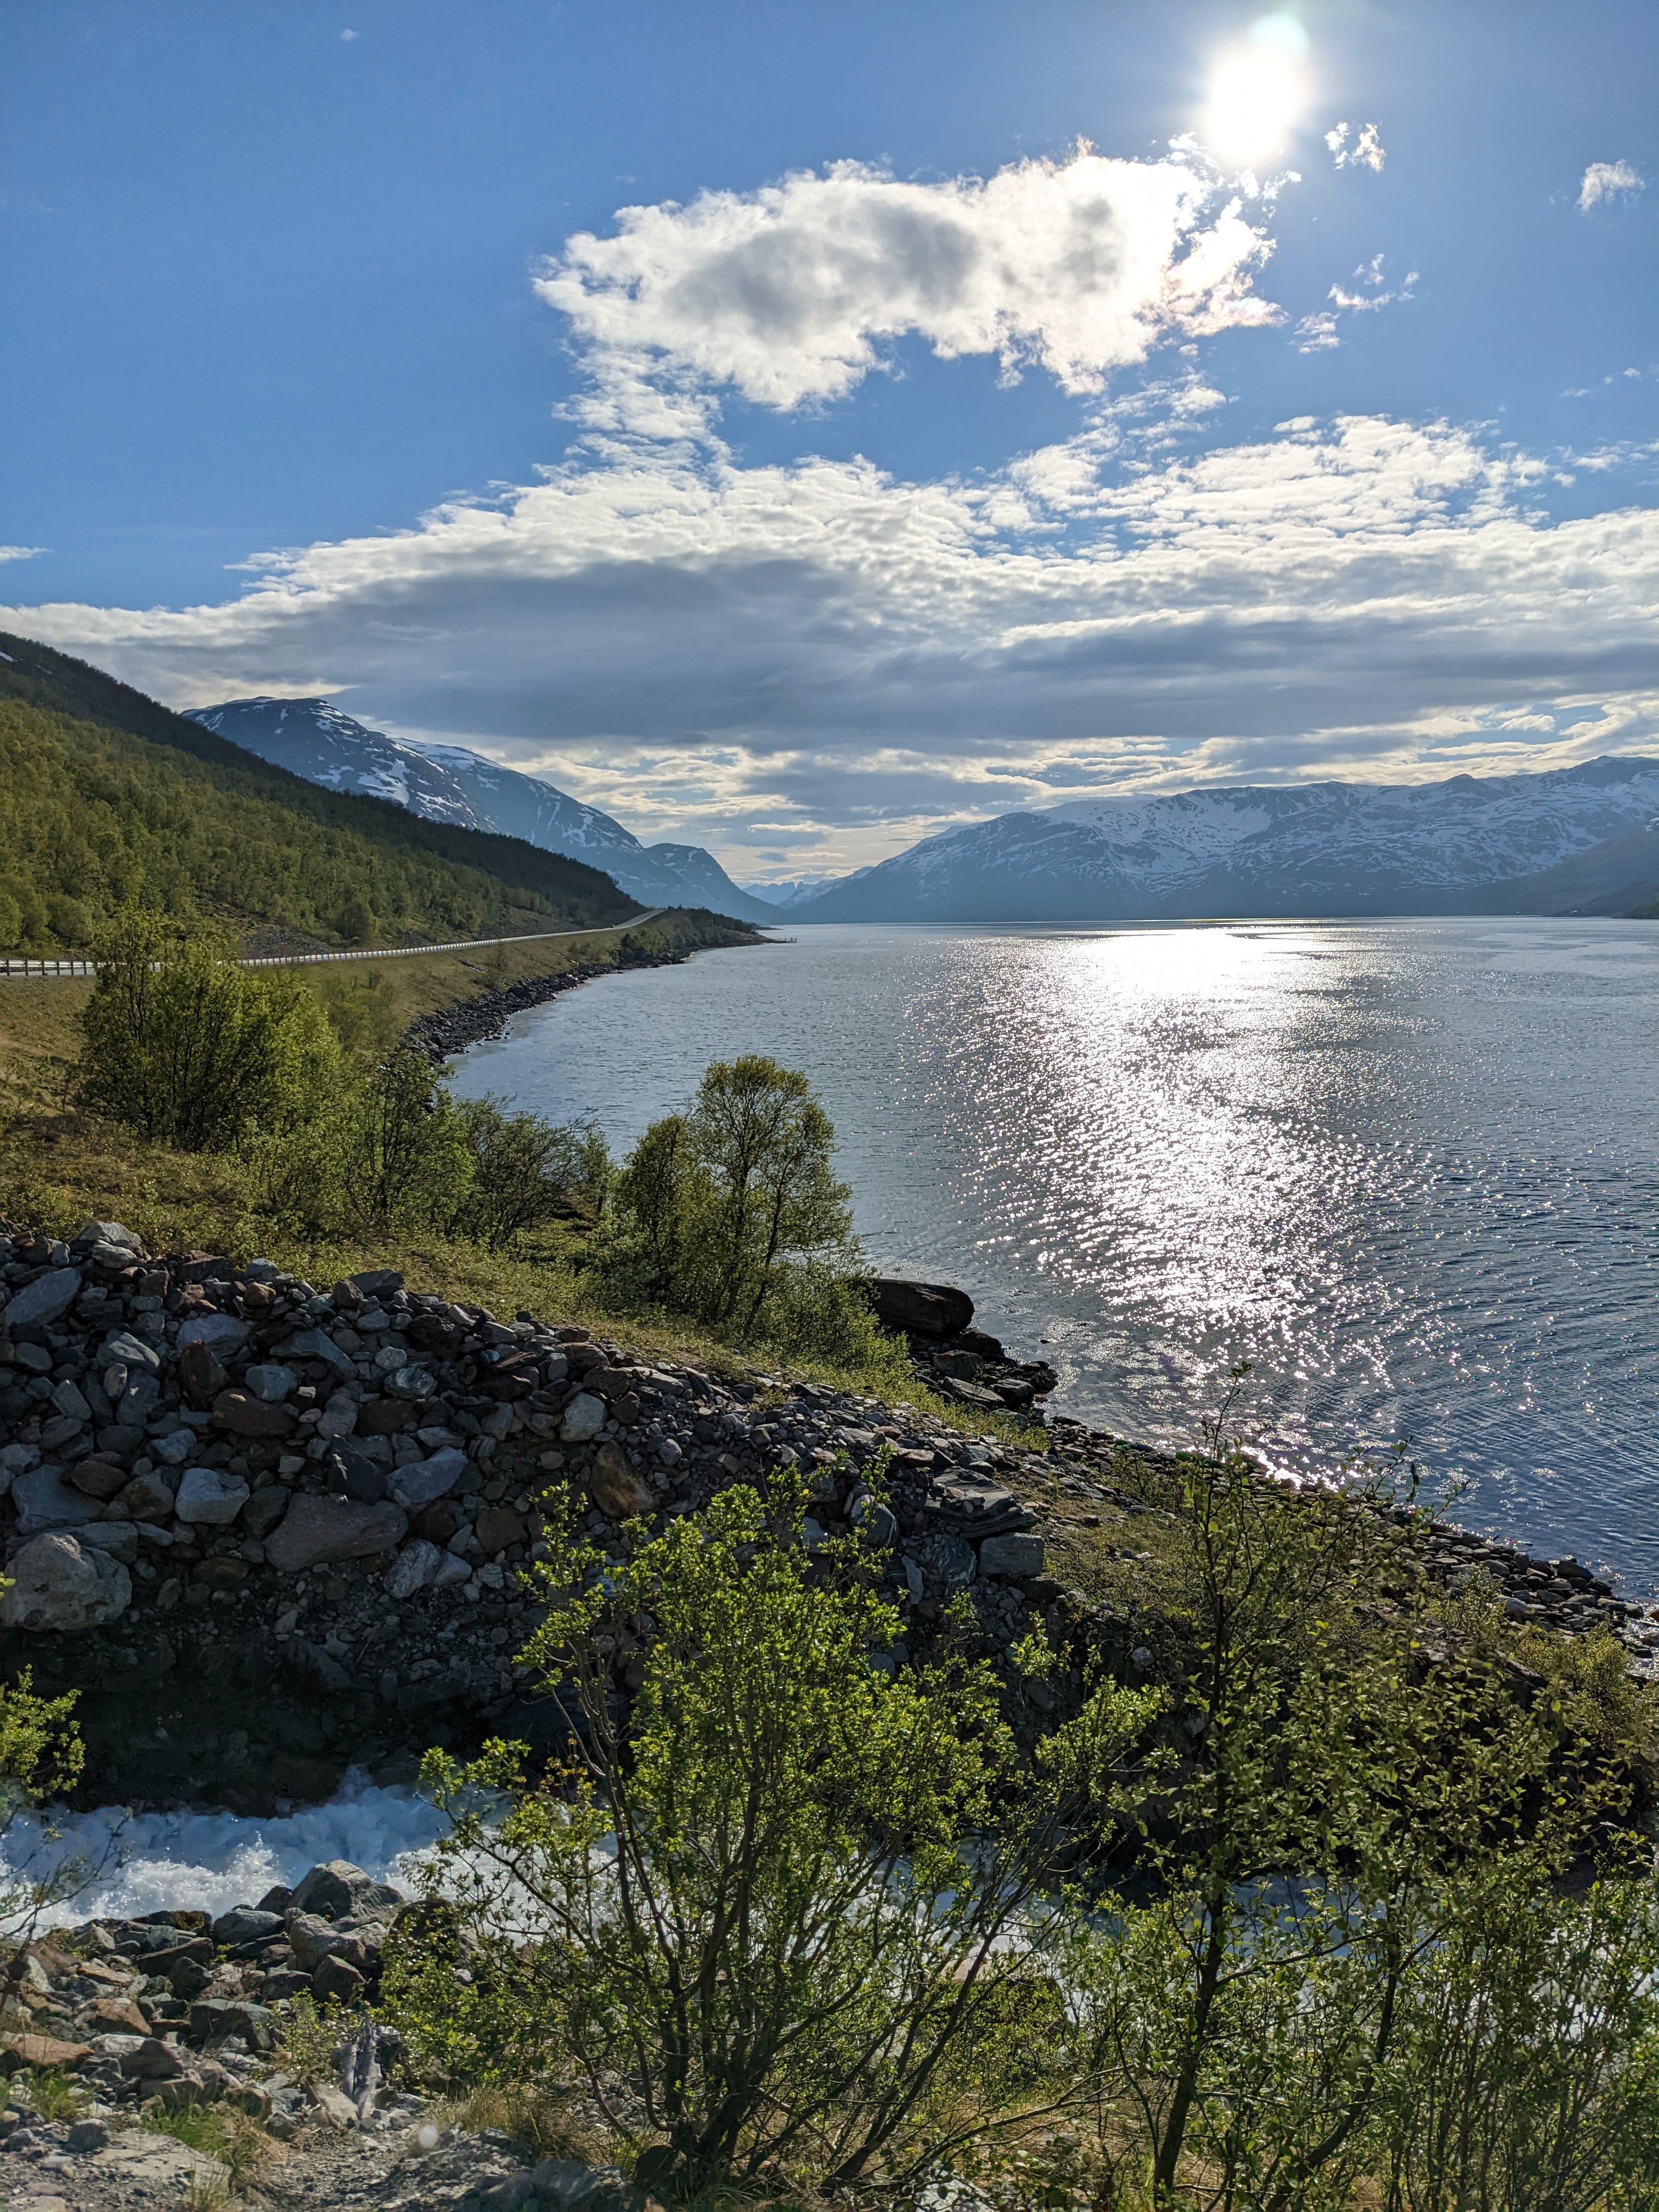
x: 1367, y: 151
x: 702, y: 648
x: 1607, y: 180
x: 1318, y: 334
x: 346, y: 37
x: 789, y: 296
x: 20, y: 552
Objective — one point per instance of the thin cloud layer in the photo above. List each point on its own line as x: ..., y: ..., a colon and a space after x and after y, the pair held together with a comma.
x: 787, y: 295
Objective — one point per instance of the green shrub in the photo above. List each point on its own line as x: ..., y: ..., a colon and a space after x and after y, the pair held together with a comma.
x: 730, y: 1212
x: 764, y: 1913
x: 192, y: 1049
x: 522, y: 1172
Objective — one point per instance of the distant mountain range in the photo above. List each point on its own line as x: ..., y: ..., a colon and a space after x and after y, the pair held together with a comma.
x: 446, y: 783
x: 1568, y: 840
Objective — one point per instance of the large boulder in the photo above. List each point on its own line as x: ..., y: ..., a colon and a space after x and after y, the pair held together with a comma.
x: 316, y: 1531
x: 339, y: 1891
x: 208, y: 1496
x: 42, y: 1300
x: 620, y: 1493
x: 423, y: 1481
x: 57, y: 1582
x: 931, y: 1310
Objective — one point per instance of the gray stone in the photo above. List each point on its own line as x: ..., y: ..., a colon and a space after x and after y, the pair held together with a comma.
x: 245, y: 1923
x: 452, y: 1571
x: 271, y: 1381
x: 218, y: 1332
x: 338, y: 1891
x: 413, y: 1568
x: 173, y: 1448
x: 123, y: 1349
x: 67, y: 1399
x: 208, y: 1496
x: 949, y: 1561
x: 44, y: 1299
x: 317, y: 1530
x: 86, y: 2136
x: 423, y: 1480
x: 874, y: 1522
x: 584, y: 1417
x: 412, y: 1382
x: 138, y: 1402
x: 265, y: 1509
x: 45, y: 1500
x: 104, y: 1232
x: 339, y: 1416
x: 118, y: 1538
x: 317, y: 1344
x: 56, y: 1583
x: 1014, y: 1557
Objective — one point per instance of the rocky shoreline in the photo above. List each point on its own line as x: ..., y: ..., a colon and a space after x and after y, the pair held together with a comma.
x: 269, y: 1530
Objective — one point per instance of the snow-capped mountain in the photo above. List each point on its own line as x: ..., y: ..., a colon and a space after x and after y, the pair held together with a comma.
x: 802, y: 888
x: 1568, y: 840
x: 446, y: 783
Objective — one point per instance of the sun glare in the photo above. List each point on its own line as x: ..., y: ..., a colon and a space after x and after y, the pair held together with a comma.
x: 1256, y: 90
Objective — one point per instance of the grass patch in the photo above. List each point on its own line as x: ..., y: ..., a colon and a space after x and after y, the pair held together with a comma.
x: 238, y: 2143
x: 49, y: 2091
x: 540, y: 2123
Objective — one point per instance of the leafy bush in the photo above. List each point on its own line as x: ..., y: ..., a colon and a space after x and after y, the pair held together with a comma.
x: 523, y: 1172
x: 785, y: 1899
x: 189, y: 1048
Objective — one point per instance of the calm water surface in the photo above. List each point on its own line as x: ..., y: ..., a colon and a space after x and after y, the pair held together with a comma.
x: 1408, y: 1169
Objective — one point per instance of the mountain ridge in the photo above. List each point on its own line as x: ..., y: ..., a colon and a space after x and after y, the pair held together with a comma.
x: 1560, y: 840
x: 442, y: 783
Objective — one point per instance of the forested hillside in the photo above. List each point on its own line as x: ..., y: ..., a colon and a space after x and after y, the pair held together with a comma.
x: 106, y: 797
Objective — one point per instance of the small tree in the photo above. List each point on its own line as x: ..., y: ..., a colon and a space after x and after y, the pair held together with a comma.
x: 716, y: 1205
x: 400, y: 1151
x: 191, y: 1048
x: 786, y: 1897
x: 523, y: 1171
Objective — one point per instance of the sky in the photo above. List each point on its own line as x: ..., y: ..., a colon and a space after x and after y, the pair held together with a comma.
x: 799, y: 428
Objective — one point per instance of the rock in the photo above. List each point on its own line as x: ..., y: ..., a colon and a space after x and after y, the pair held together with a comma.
x: 244, y: 1415
x: 86, y: 2136
x: 173, y: 1448
x: 384, y: 1417
x: 209, y: 1497
x: 584, y: 1417
x: 106, y: 1232
x: 336, y: 2107
x: 67, y: 1399
x: 315, y: 1344
x: 118, y: 1538
x: 376, y: 1282
x: 219, y: 1332
x: 577, y: 2188
x: 272, y: 1382
x: 451, y: 1573
x: 213, y: 2018
x: 412, y: 1382
x: 1013, y: 1557
x: 317, y: 1530
x: 949, y: 1561
x: 57, y: 1582
x: 265, y: 1509
x: 354, y: 1476
x: 874, y: 1522
x: 200, y: 1376
x: 336, y: 1978
x: 99, y: 1478
x: 149, y: 1497
x: 123, y: 1349
x: 41, y: 2051
x: 337, y: 1890
x: 619, y: 1492
x: 153, y: 2061
x: 42, y: 1300
x: 413, y: 1569
x: 45, y: 1500
x: 498, y: 1526
x: 246, y: 1923
x: 423, y: 1480
x: 118, y: 2016
x: 931, y: 1310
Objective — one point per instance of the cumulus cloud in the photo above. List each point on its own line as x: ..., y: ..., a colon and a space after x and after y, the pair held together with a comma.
x: 1366, y: 151
x: 788, y: 296
x: 706, y: 648
x: 20, y: 552
x: 1607, y: 180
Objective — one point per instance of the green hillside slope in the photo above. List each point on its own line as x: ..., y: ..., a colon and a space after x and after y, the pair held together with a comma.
x: 105, y: 796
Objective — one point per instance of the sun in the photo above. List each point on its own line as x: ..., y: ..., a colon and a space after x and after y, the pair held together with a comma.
x: 1257, y: 89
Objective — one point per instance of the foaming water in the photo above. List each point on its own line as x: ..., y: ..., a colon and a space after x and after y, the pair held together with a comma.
x: 1407, y: 1169
x: 209, y: 1861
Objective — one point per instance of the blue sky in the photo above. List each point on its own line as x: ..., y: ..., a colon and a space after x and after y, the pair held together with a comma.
x: 895, y: 463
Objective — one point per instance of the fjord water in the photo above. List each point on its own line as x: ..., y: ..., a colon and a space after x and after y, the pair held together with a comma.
x: 1407, y: 1169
